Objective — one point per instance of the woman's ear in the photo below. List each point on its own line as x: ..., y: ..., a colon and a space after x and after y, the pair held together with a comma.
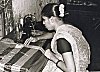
x: 51, y: 19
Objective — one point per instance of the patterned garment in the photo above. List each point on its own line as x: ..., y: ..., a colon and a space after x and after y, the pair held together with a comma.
x: 79, y: 45
x: 25, y: 59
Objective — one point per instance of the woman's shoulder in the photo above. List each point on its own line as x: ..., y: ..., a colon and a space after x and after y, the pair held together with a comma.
x: 69, y: 28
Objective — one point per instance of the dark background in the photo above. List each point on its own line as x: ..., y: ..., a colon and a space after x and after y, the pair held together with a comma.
x: 87, y: 19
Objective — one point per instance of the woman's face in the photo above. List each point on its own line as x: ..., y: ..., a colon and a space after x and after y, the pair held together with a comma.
x: 47, y: 22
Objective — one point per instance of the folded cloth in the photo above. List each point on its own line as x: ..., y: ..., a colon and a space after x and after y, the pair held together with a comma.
x: 4, y: 46
x: 29, y: 58
x: 18, y: 59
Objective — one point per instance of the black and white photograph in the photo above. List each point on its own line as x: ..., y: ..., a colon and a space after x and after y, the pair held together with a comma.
x: 49, y: 36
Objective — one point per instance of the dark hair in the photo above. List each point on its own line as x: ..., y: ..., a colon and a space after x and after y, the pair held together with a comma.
x: 48, y: 10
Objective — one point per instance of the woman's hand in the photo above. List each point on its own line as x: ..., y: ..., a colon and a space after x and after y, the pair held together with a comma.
x: 51, y: 56
x: 48, y: 54
x: 31, y: 39
x: 19, y: 46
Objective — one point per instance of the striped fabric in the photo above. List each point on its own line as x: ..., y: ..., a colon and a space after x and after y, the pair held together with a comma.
x: 17, y: 59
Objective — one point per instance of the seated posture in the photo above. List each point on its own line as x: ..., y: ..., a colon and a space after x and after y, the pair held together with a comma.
x: 69, y: 52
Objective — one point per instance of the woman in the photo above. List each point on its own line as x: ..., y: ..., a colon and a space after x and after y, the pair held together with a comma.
x: 69, y: 50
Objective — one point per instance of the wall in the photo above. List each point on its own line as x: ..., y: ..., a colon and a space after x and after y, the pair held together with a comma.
x: 24, y: 7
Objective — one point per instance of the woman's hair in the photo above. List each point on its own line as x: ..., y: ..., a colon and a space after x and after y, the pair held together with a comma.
x: 51, y: 9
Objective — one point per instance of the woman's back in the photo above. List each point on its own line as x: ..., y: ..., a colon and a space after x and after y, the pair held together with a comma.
x: 80, y: 47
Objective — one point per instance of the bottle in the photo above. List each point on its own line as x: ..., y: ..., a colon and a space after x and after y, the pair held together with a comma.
x: 17, y: 33
x: 34, y: 23
x: 21, y: 20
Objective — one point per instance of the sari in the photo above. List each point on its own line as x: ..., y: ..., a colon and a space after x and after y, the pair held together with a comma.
x: 79, y: 45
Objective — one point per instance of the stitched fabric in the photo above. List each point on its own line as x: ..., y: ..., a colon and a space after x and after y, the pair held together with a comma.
x: 79, y: 45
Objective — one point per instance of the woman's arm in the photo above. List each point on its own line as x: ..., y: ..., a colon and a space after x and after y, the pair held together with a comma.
x: 67, y: 65
x: 69, y: 61
x: 34, y: 39
x: 47, y: 35
x: 64, y: 48
x: 60, y: 64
